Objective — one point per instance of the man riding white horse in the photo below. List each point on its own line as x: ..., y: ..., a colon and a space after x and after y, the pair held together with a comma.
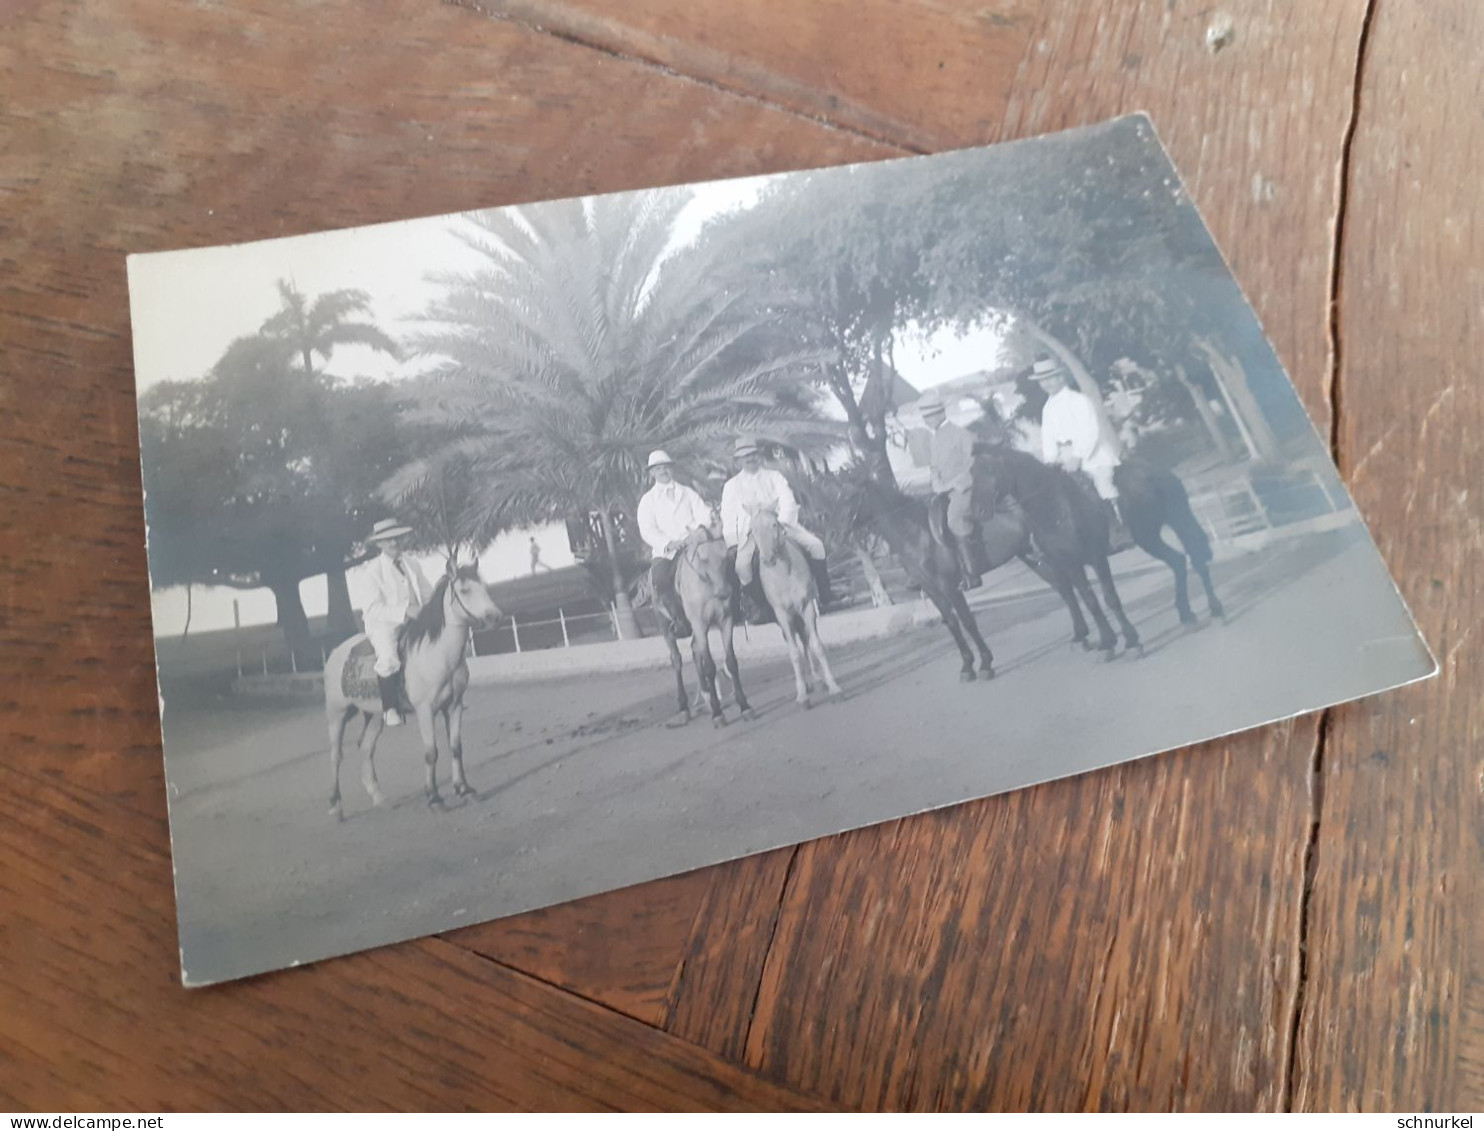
x: 670, y: 514
x: 952, y: 461
x: 1073, y: 435
x: 398, y: 590
x: 754, y: 488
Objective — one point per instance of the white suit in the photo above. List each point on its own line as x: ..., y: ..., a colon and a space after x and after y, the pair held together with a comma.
x: 398, y: 590
x: 1072, y: 435
x: 667, y: 513
x: 767, y: 489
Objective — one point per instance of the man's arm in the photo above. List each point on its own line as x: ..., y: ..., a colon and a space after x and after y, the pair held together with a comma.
x: 788, y: 506
x: 648, y: 530
x: 1088, y: 431
x: 731, y: 513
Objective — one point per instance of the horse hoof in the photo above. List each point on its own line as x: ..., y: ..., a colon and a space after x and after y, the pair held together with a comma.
x: 1135, y: 652
x: 718, y: 721
x: 678, y: 721
x: 1188, y: 620
x: 378, y: 800
x: 336, y: 813
x: 435, y: 802
x: 749, y: 716
x: 967, y: 676
x: 986, y: 674
x: 1088, y: 646
x: 804, y: 703
x: 1107, y: 656
x: 463, y: 792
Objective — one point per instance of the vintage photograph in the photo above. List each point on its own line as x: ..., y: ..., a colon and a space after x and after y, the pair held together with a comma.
x: 508, y: 557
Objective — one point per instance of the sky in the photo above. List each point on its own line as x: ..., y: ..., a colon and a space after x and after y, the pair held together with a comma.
x: 188, y: 306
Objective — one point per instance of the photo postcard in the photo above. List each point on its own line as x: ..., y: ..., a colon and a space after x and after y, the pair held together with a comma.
x: 504, y: 558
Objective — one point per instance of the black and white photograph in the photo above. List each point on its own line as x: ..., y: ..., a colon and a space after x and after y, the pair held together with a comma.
x: 503, y: 558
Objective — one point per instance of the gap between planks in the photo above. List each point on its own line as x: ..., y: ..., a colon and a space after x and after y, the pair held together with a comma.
x: 1334, y: 395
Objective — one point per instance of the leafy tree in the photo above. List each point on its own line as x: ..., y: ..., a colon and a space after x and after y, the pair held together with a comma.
x: 263, y: 473
x: 584, y: 341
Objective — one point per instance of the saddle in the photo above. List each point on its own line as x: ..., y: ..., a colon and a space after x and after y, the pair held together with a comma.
x: 358, y: 677
x: 1002, y: 530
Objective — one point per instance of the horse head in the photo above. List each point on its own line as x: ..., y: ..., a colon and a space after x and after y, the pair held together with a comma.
x: 766, y: 530
x: 467, y: 592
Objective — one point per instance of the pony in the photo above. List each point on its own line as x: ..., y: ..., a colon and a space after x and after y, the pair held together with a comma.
x: 435, y: 675
x: 1152, y: 499
x: 704, y: 584
x: 903, y: 523
x: 788, y: 583
x: 1068, y: 530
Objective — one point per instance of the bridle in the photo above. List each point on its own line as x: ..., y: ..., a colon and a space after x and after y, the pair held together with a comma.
x: 453, y: 590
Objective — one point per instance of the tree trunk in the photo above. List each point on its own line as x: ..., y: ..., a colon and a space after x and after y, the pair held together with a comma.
x: 341, y: 619
x: 186, y: 631
x: 291, y: 616
x: 1248, y: 416
x: 1079, y: 374
x: 628, y: 625
x: 880, y: 598
x: 1208, y: 418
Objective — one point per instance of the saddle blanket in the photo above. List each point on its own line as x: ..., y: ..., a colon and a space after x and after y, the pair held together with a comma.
x: 358, y: 679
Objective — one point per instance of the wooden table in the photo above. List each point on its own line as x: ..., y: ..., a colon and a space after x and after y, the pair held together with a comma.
x: 1286, y: 919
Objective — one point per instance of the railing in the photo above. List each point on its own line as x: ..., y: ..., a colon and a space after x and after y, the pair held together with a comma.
x: 1258, y: 502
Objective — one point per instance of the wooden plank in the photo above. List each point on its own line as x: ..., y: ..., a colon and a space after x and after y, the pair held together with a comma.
x: 622, y: 948
x: 716, y: 984
x: 1120, y: 940
x: 1129, y: 939
x: 1394, y: 1015
x: 96, y: 1021
x: 916, y: 73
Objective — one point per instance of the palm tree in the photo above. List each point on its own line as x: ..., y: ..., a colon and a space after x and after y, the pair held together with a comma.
x: 584, y: 341
x: 305, y: 328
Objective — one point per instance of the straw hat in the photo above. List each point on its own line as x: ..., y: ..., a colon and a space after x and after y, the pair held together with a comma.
x: 387, y: 528
x: 1047, y: 368
x: 658, y: 458
x: 746, y: 446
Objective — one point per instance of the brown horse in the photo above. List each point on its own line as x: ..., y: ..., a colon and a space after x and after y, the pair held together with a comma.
x: 788, y: 583
x: 703, y: 582
x: 435, y: 674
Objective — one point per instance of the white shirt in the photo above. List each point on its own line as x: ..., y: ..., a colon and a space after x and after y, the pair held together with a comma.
x: 668, y: 512
x: 764, y: 489
x: 395, y: 595
x: 1070, y: 423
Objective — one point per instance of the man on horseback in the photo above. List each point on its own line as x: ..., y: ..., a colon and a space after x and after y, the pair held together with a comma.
x: 953, y: 475
x: 398, y: 590
x: 754, y: 488
x: 1073, y: 435
x: 670, y: 513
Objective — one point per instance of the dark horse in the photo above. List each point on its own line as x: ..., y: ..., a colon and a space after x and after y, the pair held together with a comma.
x: 902, y: 523
x: 1152, y: 499
x: 1069, y: 530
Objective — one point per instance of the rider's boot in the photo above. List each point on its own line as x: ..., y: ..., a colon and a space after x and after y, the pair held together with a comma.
x: 821, y: 573
x: 967, y: 563
x: 391, y: 699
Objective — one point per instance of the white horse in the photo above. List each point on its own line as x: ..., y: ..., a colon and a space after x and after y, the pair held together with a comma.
x: 435, y: 674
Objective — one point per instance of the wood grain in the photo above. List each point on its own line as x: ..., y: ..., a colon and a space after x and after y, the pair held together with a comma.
x: 1130, y: 939
x: 1394, y: 1015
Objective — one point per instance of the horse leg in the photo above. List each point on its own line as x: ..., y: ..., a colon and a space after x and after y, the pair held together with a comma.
x: 337, y: 736
x: 1057, y: 578
x: 1110, y: 594
x: 453, y: 717
x: 948, y: 610
x: 971, y: 626
x: 700, y: 650
x: 730, y: 648
x: 796, y: 658
x: 1156, y: 547
x: 429, y: 734
x: 1107, y: 638
x: 816, y: 648
x: 370, y: 734
x: 682, y: 715
x: 1213, y: 603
